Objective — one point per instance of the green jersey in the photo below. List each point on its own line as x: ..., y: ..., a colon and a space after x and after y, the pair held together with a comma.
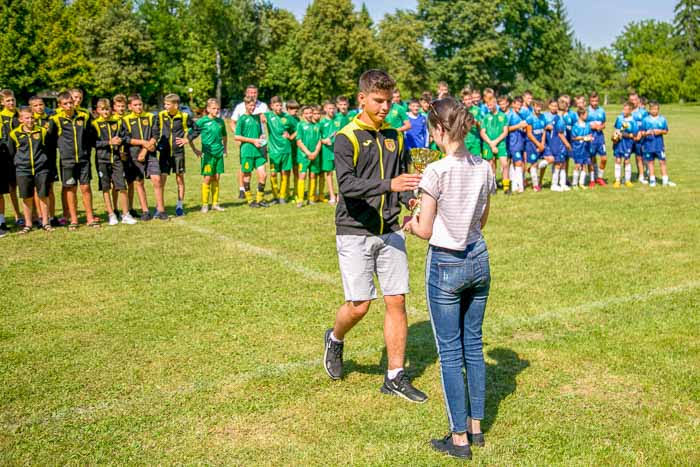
x: 397, y: 115
x: 212, y: 131
x: 342, y: 120
x: 277, y: 144
x: 493, y: 124
x: 352, y: 113
x: 249, y: 126
x: 309, y: 134
x: 473, y: 135
x: 329, y: 127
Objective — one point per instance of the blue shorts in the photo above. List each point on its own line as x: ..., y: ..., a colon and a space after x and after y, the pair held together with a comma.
x: 532, y: 154
x: 516, y: 157
x: 561, y: 157
x: 582, y: 159
x: 637, y: 149
x: 650, y: 156
x: 598, y: 149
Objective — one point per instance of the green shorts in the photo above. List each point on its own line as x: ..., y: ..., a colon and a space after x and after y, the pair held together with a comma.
x: 327, y: 163
x: 304, y: 164
x: 280, y: 162
x: 248, y: 164
x: 487, y: 153
x: 212, y: 165
x: 473, y: 146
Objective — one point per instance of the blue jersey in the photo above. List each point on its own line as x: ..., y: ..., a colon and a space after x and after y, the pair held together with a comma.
x: 516, y: 139
x: 537, y: 123
x: 628, y: 127
x: 484, y: 109
x: 525, y: 112
x: 417, y: 136
x: 596, y: 115
x: 556, y: 144
x: 654, y: 144
x: 580, y: 148
x: 639, y: 114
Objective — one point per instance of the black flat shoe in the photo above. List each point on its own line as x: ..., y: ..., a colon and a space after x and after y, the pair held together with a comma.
x: 476, y: 439
x: 445, y: 446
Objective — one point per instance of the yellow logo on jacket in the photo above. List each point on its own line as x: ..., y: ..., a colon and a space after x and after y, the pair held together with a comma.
x: 35, y: 136
x: 390, y: 145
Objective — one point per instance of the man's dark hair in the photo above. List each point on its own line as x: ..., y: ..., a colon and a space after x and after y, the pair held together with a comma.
x: 342, y: 99
x: 376, y: 81
x: 63, y: 96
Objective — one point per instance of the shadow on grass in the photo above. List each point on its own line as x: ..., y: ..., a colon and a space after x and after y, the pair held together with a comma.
x: 420, y: 354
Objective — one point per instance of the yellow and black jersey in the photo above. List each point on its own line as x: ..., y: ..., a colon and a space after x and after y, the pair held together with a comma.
x: 138, y: 126
x: 9, y: 120
x: 168, y: 127
x: 42, y: 120
x: 105, y: 130
x: 72, y: 136
x: 366, y: 159
x: 28, y: 150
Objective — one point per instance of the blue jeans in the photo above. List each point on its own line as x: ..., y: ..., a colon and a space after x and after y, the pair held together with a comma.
x: 457, y: 288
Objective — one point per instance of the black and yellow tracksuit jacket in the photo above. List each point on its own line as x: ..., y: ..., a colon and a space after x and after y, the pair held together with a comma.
x: 168, y: 127
x: 8, y: 122
x: 138, y: 126
x: 73, y: 137
x: 28, y: 150
x: 366, y: 159
x: 105, y: 130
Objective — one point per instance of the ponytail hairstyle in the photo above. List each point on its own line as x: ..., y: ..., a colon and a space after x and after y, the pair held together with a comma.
x: 452, y: 116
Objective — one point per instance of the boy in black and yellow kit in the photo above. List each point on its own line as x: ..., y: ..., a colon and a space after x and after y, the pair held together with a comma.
x: 72, y: 133
x: 171, y: 130
x: 8, y: 122
x: 28, y: 150
x: 109, y: 136
x: 41, y: 119
x: 142, y: 151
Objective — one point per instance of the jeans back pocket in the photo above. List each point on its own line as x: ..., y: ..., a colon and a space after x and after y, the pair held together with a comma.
x: 454, y: 277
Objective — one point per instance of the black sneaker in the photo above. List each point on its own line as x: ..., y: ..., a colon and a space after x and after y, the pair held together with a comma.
x: 145, y: 216
x: 476, y: 439
x: 263, y: 204
x: 402, y: 387
x: 3, y: 232
x: 163, y: 216
x: 332, y: 356
x: 54, y: 222
x: 274, y: 201
x: 241, y: 194
x: 4, y: 227
x: 133, y: 213
x: 446, y: 446
x: 254, y: 204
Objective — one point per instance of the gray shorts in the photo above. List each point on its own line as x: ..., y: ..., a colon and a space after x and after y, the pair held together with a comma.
x: 361, y: 257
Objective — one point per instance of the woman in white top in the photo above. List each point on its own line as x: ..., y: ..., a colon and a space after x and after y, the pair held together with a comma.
x: 454, y: 209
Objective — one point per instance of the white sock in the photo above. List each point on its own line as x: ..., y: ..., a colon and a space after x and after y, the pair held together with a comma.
x: 618, y: 171
x: 335, y: 339
x: 601, y: 172
x: 594, y: 172
x: 652, y: 179
x: 543, y: 163
x: 391, y: 374
x: 241, y: 188
x: 511, y: 172
x: 179, y: 203
x: 534, y: 176
x: 555, y: 178
x: 519, y: 177
x: 582, y: 178
x: 574, y: 180
x: 628, y: 173
x: 664, y: 179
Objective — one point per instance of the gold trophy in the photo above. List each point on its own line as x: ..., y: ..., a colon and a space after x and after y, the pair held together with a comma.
x: 420, y: 158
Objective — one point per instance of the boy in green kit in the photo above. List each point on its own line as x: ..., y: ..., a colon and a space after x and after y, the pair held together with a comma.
x: 309, y: 144
x: 248, y: 134
x: 329, y: 127
x: 212, y: 129
x: 342, y: 115
x: 398, y: 117
x: 494, y: 130
x: 473, y: 140
x: 278, y: 149
x: 291, y: 120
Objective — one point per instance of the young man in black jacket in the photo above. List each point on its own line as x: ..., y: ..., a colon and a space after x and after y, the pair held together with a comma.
x: 371, y: 165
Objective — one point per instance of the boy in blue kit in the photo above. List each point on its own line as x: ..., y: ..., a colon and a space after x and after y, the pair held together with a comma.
x: 516, y: 143
x: 557, y: 144
x: 623, y: 141
x: 639, y: 113
x: 581, y: 137
x: 654, y: 127
x: 417, y: 135
x: 535, y: 144
x: 596, y: 117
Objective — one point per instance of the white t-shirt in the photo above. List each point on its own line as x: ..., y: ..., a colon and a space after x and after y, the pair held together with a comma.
x: 260, y: 107
x: 461, y: 186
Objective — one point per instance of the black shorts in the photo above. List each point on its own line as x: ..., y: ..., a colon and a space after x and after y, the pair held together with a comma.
x: 9, y: 173
x: 142, y: 170
x: 28, y: 183
x: 172, y: 164
x: 111, y: 175
x: 74, y: 173
x: 4, y: 183
x: 53, y: 171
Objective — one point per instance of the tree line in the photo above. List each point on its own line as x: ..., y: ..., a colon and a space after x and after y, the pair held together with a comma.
x: 217, y: 47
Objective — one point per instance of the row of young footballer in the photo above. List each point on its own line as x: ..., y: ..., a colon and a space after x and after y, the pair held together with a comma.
x: 38, y: 150
x: 526, y: 138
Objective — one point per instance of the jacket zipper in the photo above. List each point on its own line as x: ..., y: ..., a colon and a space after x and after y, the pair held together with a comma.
x: 381, y: 175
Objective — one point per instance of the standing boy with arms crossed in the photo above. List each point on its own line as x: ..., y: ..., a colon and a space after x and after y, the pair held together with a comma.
x: 371, y: 163
x: 214, y: 143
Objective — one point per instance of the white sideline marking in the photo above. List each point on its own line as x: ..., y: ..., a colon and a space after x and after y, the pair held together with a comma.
x: 308, y: 273
x: 557, y: 314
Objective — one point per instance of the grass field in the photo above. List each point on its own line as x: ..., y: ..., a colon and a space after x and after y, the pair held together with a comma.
x: 199, y: 340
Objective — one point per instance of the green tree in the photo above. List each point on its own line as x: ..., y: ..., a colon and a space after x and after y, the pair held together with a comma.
x: 275, y: 59
x: 656, y: 77
x: 690, y: 89
x: 401, y: 36
x: 465, y: 41
x: 648, y: 37
x: 687, y: 24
